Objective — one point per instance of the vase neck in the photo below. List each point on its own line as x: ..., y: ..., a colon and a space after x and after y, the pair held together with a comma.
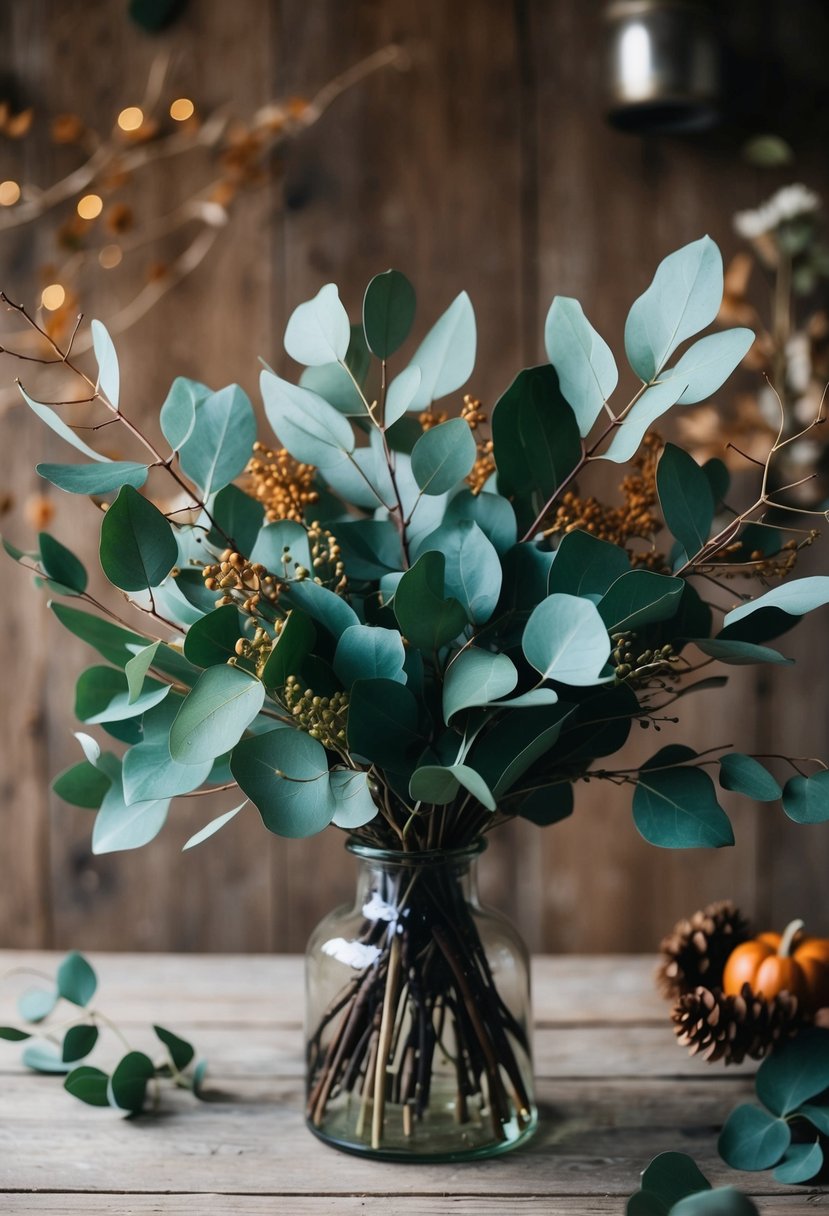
x: 386, y: 878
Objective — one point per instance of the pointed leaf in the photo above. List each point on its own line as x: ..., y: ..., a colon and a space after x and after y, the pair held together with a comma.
x: 221, y: 442
x: 797, y: 597
x: 111, y: 641
x: 118, y: 826
x: 388, y: 312
x: 586, y: 368
x: 102, y: 694
x: 801, y: 1162
x: 56, y: 423
x: 214, y: 826
x: 443, y: 456
x: 640, y: 597
x: 138, y: 549
x: 472, y: 571
x: 676, y: 807
x: 311, y: 429
x: 738, y: 653
x: 351, y: 792
x: 178, y: 413
x: 446, y: 356
x: 109, y: 377
x: 76, y: 979
x: 706, y: 366
x: 752, y: 1139
x: 425, y: 617
x: 685, y: 497
x: 795, y: 1072
x: 476, y: 677
x: 806, y: 799
x: 653, y: 403
x: 367, y: 652
x: 137, y: 668
x: 94, y: 478
x: 291, y: 647
x: 88, y: 1085
x: 401, y: 394
x: 439, y: 785
x: 215, y: 714
x: 748, y: 776
x: 318, y: 331
x: 181, y: 1052
x: 78, y: 1042
x: 239, y: 516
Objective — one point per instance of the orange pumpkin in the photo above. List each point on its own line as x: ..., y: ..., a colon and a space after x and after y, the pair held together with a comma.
x: 775, y: 962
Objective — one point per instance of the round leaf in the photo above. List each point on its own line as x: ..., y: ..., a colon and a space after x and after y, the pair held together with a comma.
x: 351, y: 792
x: 565, y: 639
x: 76, y: 979
x: 318, y: 331
x: 285, y: 775
x: 212, y: 639
x: 178, y: 413
x: 443, y: 456
x: 425, y: 617
x: 752, y: 1139
x: 388, y: 312
x: 128, y: 1084
x: 748, y: 776
x: 476, y: 677
x: 222, y: 439
x: 676, y: 807
x: 806, y: 799
x: 88, y: 1085
x: 368, y: 652
x: 801, y: 1162
x: 43, y: 1057
x: 215, y: 714
x: 138, y: 549
x: 795, y: 1072
x: 35, y: 1004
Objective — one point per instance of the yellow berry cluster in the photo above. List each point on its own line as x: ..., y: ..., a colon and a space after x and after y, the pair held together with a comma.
x: 760, y: 565
x: 633, y: 668
x: 256, y: 649
x: 323, y: 718
x: 236, y: 574
x: 429, y: 418
x: 327, y: 565
x: 284, y: 486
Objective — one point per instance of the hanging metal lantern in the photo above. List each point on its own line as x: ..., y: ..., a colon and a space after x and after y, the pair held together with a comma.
x: 663, y: 65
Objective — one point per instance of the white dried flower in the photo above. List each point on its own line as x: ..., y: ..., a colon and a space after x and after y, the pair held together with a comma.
x: 354, y: 954
x: 378, y: 909
x: 788, y: 203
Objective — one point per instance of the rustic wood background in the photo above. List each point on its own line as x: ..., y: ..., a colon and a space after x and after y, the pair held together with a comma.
x: 486, y: 165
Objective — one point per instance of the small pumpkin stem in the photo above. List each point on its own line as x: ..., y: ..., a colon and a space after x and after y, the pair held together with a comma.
x: 787, y: 940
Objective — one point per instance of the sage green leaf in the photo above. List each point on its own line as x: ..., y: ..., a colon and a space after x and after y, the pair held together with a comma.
x: 221, y: 441
x: 332, y: 382
x: 748, y: 776
x: 752, y: 1139
x: 583, y: 361
x: 239, y: 516
x: 806, y: 799
x: 472, y: 571
x: 102, y: 694
x: 318, y: 331
x: 214, y: 826
x: 671, y: 1177
x: 383, y: 724
x: 118, y: 826
x: 109, y: 377
x: 76, y: 979
x: 818, y: 1116
x: 283, y: 546
x: 60, y: 564
x: 212, y: 639
x: 368, y: 652
x: 149, y: 772
x: 128, y: 1083
x: 446, y: 356
x: 321, y: 605
x: 549, y: 805
x: 352, y: 797
x: 78, y: 1042
x: 797, y: 597
x: 285, y: 775
x: 361, y: 478
x: 111, y: 641
x: 738, y: 653
x: 370, y: 547
x: 138, y: 549
x: 706, y: 366
x: 685, y: 497
x: 388, y: 312
x: 12, y: 1035
x: 181, y: 1052
x: 536, y: 440
x: 586, y: 566
x: 795, y: 1072
x: 94, y: 478
x: 443, y: 455
x: 43, y: 1057
x: 653, y: 403
x: 178, y: 413
x: 528, y: 700
x: 676, y: 807
x: 722, y: 1201
x: 82, y: 785
x: 682, y: 299
x: 640, y: 597
x: 89, y: 1085
x: 56, y: 423
x: 801, y: 1162
x: 215, y: 714
x: 425, y: 617
x: 492, y: 513
x: 311, y: 429
x: 476, y: 677
x: 137, y: 668
x: 565, y: 639
x: 439, y: 785
x: 292, y: 646
x: 401, y: 394
x: 35, y: 1004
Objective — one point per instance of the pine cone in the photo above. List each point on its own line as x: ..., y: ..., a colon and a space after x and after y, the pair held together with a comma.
x: 729, y: 1028
x: 695, y: 952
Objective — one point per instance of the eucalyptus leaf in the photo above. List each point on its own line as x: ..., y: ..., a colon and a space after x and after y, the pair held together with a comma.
x: 388, y: 312
x: 806, y: 799
x: 439, y: 785
x: 818, y: 1116
x: 586, y: 566
x: 795, y: 1072
x: 583, y: 361
x: 119, y: 827
x: 137, y: 668
x: 111, y: 641
x: 426, y: 617
x: 178, y: 412
x: 472, y: 571
x: 285, y: 775
x: 94, y: 478
x: 311, y: 429
x: 722, y: 1201
x: 748, y: 776
x: 212, y: 639
x: 55, y: 423
x: 504, y: 754
x: 281, y: 547
x: 706, y: 365
x: 215, y: 714
x: 291, y: 647
x: 351, y: 792
x: 383, y: 724
x: 12, y: 1035
x: 401, y: 394
x: 221, y: 442
x: 76, y: 979
x: 367, y: 652
x: 138, y: 548
x: 149, y: 772
x: 318, y: 331
x: 102, y: 694
x: 128, y: 1083
x: 89, y: 1085
x: 752, y: 1139
x: 82, y: 785
x: 653, y: 403
x: 35, y: 1004
x: 671, y: 1177
x: 213, y: 827
x: 549, y: 805
x: 640, y: 597
x: 333, y: 383
x: 565, y: 639
x: 476, y: 677
x: 60, y: 564
x: 801, y: 1162
x: 240, y: 518
x: 43, y: 1057
x: 685, y: 497
x: 181, y: 1052
x: 797, y: 597
x: 446, y: 356
x: 443, y: 456
x: 78, y: 1042
x: 493, y: 514
x: 738, y: 653
x: 675, y: 805
x: 109, y: 377
x: 325, y: 607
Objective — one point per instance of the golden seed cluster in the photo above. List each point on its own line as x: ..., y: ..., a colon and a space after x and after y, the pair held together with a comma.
x: 760, y: 565
x: 256, y: 649
x: 236, y: 574
x: 283, y: 485
x: 323, y: 718
x: 326, y: 561
x: 633, y: 668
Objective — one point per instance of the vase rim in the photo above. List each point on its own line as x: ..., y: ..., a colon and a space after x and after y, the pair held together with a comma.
x: 415, y: 857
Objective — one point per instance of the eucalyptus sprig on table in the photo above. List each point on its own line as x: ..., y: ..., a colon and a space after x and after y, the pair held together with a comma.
x: 673, y: 1185
x: 60, y: 1047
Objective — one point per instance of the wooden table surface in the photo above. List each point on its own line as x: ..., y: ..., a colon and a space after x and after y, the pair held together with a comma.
x: 613, y: 1088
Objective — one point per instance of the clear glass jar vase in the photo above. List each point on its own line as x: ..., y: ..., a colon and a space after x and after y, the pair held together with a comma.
x: 418, y: 1015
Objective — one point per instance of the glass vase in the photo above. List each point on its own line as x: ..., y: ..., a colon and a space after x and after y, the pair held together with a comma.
x: 418, y: 1015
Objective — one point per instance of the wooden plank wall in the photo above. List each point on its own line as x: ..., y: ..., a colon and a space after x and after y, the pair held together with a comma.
x: 486, y: 165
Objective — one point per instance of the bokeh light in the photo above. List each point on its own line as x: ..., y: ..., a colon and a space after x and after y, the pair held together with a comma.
x: 131, y: 118
x: 182, y: 109
x: 9, y: 193
x: 90, y: 206
x: 53, y: 296
x: 110, y: 256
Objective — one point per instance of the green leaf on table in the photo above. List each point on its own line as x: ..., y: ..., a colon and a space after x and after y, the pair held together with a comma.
x: 446, y: 356
x: 212, y: 639
x: 685, y: 497
x: 55, y: 423
x: 492, y: 513
x: 102, y: 694
x: 111, y: 641
x: 97, y: 479
x: 354, y: 804
x: 240, y: 518
x: 128, y: 1083
x: 801, y: 1162
x: 12, y: 1035
x: 654, y: 402
x: 565, y: 639
x: 443, y: 455
x: 215, y: 714
x: 89, y: 1085
x: 215, y: 825
x: 671, y: 1177
x: 181, y: 1052
x: 586, y: 566
x: 138, y: 549
x: 109, y: 377
x: 476, y: 677
x: 806, y: 799
x: 293, y: 644
x: 76, y: 979
x: 35, y: 1004
x: 401, y: 394
x: 82, y: 785
x: 178, y: 413
x: 548, y: 805
x: 60, y: 564
x: 433, y: 783
x: 199, y: 1073
x: 797, y: 597
x: 707, y: 364
x: 43, y: 1057
x: 682, y: 299
x: 426, y: 618
x: 472, y: 570
x: 795, y: 1072
x: 818, y: 1116
x: 583, y: 361
x: 675, y: 806
x: 311, y: 429
x: 748, y: 776
x: 738, y: 653
x: 369, y: 652
x: 722, y: 1201
x: 640, y: 597
x: 388, y: 312
x: 221, y: 441
x: 752, y: 1139
x: 78, y: 1042
x: 285, y: 775
x: 318, y: 331
x: 137, y: 668
x: 118, y: 826
x: 383, y: 724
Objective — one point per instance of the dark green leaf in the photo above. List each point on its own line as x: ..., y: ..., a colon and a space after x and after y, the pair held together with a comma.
x: 685, y: 497
x: 285, y: 774
x: 94, y: 478
x: 368, y: 652
x: 752, y: 1139
x: 586, y: 566
x: 102, y: 694
x: 240, y: 518
x: 88, y: 1085
x: 181, y: 1052
x: 13, y: 1035
x: 138, y: 548
x: 109, y: 640
x: 215, y: 714
x: 425, y: 617
x: 801, y: 1162
x: 806, y: 799
x: 61, y: 565
x: 370, y: 547
x: 291, y: 648
x: 82, y: 785
x: 818, y: 1116
x: 548, y: 805
x: 738, y: 653
x: 76, y: 979
x: 212, y: 640
x: 383, y: 724
x: 748, y: 776
x: 503, y: 754
x: 676, y: 807
x: 222, y: 439
x: 388, y: 312
x: 671, y: 1177
x: 640, y: 597
x: 443, y: 456
x: 719, y: 478
x: 128, y: 1084
x: 795, y: 1072
x: 78, y: 1042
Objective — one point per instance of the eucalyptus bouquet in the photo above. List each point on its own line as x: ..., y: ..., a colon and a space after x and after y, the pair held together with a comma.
x: 416, y: 627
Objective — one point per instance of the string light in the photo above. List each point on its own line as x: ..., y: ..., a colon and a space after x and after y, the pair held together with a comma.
x: 9, y: 193
x: 110, y: 256
x: 53, y: 297
x: 182, y: 109
x: 131, y: 118
x: 90, y: 206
